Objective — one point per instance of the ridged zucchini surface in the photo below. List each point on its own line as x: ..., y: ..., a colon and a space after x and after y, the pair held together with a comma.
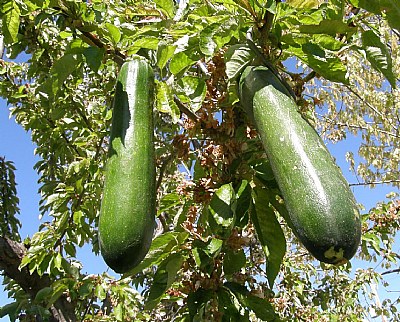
x: 320, y: 203
x: 127, y: 215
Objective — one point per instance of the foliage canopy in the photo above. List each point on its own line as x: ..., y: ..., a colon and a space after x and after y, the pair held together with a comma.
x: 234, y: 260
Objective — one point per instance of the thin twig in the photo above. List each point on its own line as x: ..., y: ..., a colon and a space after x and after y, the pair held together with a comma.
x: 162, y: 170
x: 360, y: 127
x: 374, y: 182
x: 182, y: 107
x: 397, y: 270
x: 373, y: 108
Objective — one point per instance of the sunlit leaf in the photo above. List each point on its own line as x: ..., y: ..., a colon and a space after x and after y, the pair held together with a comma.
x: 192, y: 91
x: 114, y: 33
x: 305, y: 4
x: 167, y: 6
x: 328, y: 27
x: 237, y: 57
x: 164, y: 53
x: 165, y: 102
x: 378, y: 55
x: 11, y: 21
x: 321, y: 61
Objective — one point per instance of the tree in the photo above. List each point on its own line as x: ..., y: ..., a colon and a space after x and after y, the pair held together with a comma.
x: 205, y: 263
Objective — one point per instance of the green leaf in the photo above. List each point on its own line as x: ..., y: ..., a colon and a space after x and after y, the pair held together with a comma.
x: 378, y: 55
x: 192, y: 91
x: 227, y: 304
x: 269, y: 233
x: 243, y: 203
x: 169, y: 201
x: 10, y: 21
x: 43, y: 294
x: 61, y: 69
x: 10, y: 309
x: 160, y: 248
x: 263, y: 170
x: 205, y: 252
x: 179, y: 62
x: 166, y: 6
x: 216, y: 35
x: 328, y: 42
x: 328, y: 27
x: 222, y: 210
x: 262, y: 308
x: 390, y: 9
x: 237, y: 57
x: 164, y: 278
x: 164, y: 53
x: 114, y: 33
x: 322, y: 61
x: 94, y: 57
x: 145, y: 42
x: 165, y: 102
x: 305, y: 4
x: 234, y: 261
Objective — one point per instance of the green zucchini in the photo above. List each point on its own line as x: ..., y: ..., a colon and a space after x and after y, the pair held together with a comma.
x: 128, y: 208
x: 321, y: 206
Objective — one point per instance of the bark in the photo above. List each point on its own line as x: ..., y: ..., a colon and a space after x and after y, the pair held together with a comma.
x: 11, y: 254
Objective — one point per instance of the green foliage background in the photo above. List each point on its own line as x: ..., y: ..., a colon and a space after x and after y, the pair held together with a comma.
x: 223, y: 251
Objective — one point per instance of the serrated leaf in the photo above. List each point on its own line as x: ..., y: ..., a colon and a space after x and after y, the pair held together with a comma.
x: 237, y: 57
x: 61, y: 69
x: 192, y: 91
x: 167, y: 6
x: 378, y: 55
x: 322, y: 61
x: 165, y: 102
x: 328, y: 27
x: 160, y: 248
x: 114, y: 33
x: 221, y: 206
x: 269, y: 232
x: 179, y: 62
x: 214, y: 36
x: 10, y: 22
x: 164, y: 53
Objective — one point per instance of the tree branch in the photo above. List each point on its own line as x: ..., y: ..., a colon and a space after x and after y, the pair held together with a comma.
x: 11, y: 254
x: 374, y: 182
x: 397, y: 270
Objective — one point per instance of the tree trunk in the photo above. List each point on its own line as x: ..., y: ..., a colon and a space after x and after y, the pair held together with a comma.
x: 11, y: 254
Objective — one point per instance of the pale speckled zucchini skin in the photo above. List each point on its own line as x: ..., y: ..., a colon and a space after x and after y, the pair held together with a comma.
x: 128, y: 208
x: 320, y: 203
